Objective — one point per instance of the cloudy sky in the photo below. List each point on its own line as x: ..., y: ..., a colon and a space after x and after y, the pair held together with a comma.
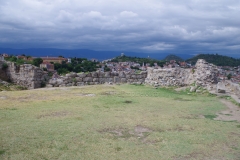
x: 186, y: 26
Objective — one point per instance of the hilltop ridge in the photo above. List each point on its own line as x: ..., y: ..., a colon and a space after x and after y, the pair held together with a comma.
x: 216, y: 59
x: 173, y: 57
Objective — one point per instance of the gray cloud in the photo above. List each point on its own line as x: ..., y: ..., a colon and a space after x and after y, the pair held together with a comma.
x: 147, y: 25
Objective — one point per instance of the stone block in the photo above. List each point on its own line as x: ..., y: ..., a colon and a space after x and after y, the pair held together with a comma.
x: 221, y: 87
x: 123, y: 80
x: 139, y: 76
x: 81, y: 75
x: 133, y: 76
x: 101, y: 74
x: 95, y: 79
x: 128, y: 76
x: 94, y: 74
x: 113, y: 74
x: 121, y: 74
x: 109, y: 80
x: 88, y: 74
x: 107, y: 75
x: 116, y: 79
x: 102, y: 80
x: 80, y: 83
x: 88, y: 79
x: 193, y: 88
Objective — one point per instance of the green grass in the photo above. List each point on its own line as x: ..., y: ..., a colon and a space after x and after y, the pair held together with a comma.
x: 113, y: 122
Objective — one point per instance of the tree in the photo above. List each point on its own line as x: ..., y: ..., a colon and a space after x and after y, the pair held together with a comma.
x: 37, y: 61
x: 229, y: 76
x: 62, y: 71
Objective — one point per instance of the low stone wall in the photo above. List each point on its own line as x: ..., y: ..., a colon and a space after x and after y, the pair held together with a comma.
x: 235, y: 88
x: 80, y: 79
x: 25, y: 75
x: 167, y: 77
x: 29, y: 76
x: 204, y: 74
x: 1, y: 63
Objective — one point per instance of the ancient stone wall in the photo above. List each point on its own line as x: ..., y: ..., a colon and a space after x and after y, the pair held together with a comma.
x: 80, y: 79
x: 1, y: 63
x: 25, y: 75
x: 167, y: 77
x: 204, y: 74
x: 233, y: 87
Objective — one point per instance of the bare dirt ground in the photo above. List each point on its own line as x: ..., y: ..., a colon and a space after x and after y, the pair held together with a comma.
x: 231, y: 114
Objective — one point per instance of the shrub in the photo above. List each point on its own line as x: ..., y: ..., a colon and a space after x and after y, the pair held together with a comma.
x: 229, y: 76
x: 193, y: 71
x: 4, y: 66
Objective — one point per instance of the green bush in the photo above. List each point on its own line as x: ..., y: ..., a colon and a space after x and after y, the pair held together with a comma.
x: 37, y: 61
x: 4, y: 66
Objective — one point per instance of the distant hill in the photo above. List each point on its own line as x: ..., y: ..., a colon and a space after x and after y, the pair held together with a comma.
x: 173, y: 57
x: 83, y: 53
x: 216, y: 59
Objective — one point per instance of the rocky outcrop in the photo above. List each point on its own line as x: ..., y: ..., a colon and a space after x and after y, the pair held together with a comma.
x: 80, y: 79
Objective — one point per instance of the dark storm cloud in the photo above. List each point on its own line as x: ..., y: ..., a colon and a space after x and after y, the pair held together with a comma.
x: 147, y: 25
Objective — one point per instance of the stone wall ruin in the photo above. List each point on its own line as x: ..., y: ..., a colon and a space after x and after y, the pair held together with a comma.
x: 80, y: 79
x: 203, y: 74
x: 25, y: 75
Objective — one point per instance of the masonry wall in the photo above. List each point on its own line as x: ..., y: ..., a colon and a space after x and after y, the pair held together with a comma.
x: 25, y: 75
x: 204, y: 74
x: 80, y: 79
x: 234, y: 87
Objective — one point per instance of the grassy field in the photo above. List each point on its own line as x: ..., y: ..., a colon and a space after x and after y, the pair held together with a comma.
x: 124, y: 122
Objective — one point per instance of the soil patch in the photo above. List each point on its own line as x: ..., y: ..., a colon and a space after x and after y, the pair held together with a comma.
x: 86, y: 95
x: 138, y: 132
x: 231, y: 114
x: 109, y: 93
x: 3, y: 97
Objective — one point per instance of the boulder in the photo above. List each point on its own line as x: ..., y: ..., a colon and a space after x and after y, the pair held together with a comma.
x: 193, y: 88
x: 221, y: 87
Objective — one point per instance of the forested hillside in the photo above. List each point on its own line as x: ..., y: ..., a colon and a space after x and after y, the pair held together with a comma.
x: 216, y: 59
x: 173, y: 57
